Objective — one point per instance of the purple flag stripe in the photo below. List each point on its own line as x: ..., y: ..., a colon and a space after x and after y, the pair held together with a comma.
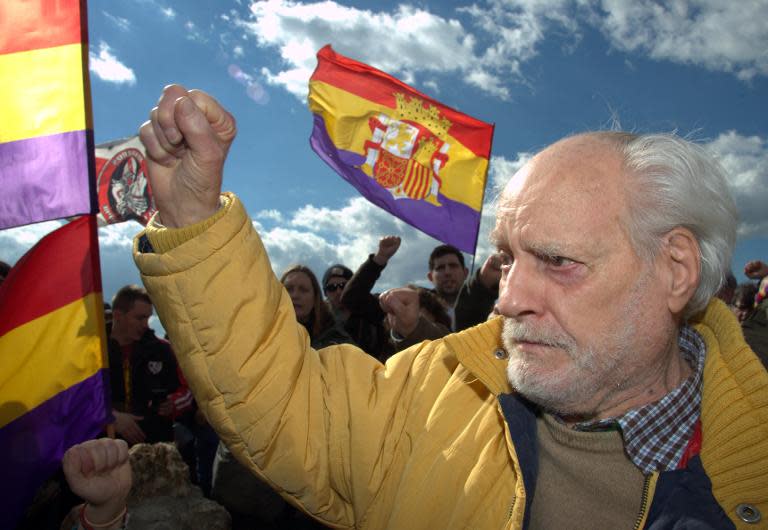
x: 47, y: 177
x: 453, y: 222
x: 31, y: 446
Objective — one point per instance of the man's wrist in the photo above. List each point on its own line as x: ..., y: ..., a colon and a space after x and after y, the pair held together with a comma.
x: 164, y: 238
x: 380, y: 260
x: 110, y: 515
x: 404, y: 331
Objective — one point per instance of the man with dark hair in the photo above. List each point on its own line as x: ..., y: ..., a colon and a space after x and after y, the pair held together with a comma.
x: 148, y: 390
x: 406, y: 323
x: 447, y: 272
x: 469, y: 301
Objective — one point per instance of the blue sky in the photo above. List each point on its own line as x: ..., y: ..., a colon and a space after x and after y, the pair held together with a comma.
x: 538, y: 69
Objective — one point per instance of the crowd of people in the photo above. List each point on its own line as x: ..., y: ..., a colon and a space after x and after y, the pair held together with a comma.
x: 585, y: 376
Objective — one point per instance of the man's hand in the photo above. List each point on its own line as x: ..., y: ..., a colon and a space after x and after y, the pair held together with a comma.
x: 99, y: 472
x: 388, y: 245
x: 166, y: 408
x: 126, y: 426
x: 402, y: 308
x: 756, y: 269
x: 490, y: 273
x: 187, y: 139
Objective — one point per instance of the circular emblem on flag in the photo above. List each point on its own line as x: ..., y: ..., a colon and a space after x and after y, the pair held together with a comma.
x: 124, y: 191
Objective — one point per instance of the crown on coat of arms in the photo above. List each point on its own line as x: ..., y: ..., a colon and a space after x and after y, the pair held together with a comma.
x: 421, y: 112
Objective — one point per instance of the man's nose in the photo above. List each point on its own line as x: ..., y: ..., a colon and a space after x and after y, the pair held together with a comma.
x: 521, y: 291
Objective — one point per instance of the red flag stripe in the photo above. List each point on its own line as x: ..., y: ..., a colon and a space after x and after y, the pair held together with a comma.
x: 60, y: 269
x: 379, y: 87
x: 36, y: 24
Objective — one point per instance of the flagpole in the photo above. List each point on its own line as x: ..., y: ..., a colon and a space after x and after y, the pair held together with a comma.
x: 482, y: 201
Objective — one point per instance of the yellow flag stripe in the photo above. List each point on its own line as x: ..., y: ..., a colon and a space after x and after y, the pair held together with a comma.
x: 42, y: 92
x: 49, y: 354
x: 346, y: 117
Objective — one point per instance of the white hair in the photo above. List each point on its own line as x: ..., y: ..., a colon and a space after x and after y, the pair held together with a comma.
x: 676, y: 183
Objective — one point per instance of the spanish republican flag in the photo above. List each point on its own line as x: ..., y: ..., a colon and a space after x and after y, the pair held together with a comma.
x: 420, y: 160
x: 46, y: 135
x: 53, y: 380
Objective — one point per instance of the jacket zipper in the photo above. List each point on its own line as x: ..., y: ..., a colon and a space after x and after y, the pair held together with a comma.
x: 643, y: 501
x: 511, y: 509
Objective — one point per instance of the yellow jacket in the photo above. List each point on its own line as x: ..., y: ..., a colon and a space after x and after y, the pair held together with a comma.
x: 418, y: 443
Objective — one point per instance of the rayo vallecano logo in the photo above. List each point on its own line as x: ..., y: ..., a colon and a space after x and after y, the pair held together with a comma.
x: 155, y: 367
x: 408, y: 149
x: 123, y: 188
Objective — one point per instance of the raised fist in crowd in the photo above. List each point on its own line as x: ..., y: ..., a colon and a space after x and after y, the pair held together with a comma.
x: 99, y: 472
x: 388, y: 246
x: 402, y: 308
x: 187, y: 138
x: 756, y: 269
x: 490, y: 272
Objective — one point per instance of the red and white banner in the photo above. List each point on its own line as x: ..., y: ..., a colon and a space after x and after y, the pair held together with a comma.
x: 122, y: 183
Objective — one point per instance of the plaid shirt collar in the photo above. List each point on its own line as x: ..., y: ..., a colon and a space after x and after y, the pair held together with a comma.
x: 656, y: 435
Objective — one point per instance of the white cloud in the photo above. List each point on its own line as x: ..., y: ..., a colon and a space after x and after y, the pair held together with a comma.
x: 14, y: 242
x: 516, y: 27
x: 432, y: 86
x: 273, y: 215
x: 108, y: 68
x: 719, y: 35
x: 193, y: 33
x: 122, y: 24
x: 168, y: 12
x: 745, y: 158
x: 497, y: 38
x: 403, y: 42
x: 319, y: 237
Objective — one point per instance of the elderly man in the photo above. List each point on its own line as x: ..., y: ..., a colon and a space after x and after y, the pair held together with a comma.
x: 612, y: 392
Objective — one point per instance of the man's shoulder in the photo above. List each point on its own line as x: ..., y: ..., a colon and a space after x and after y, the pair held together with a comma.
x: 151, y: 343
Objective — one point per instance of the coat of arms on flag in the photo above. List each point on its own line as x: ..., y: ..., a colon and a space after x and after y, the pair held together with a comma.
x: 406, y: 157
x: 420, y: 160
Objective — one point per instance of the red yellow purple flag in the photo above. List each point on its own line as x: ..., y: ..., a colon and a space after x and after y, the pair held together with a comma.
x: 420, y: 160
x: 46, y: 137
x: 53, y: 381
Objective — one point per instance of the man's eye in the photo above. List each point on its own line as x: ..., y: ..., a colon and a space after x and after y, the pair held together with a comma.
x: 560, y: 261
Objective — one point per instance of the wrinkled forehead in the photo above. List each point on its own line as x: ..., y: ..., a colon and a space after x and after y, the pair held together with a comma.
x: 578, y: 183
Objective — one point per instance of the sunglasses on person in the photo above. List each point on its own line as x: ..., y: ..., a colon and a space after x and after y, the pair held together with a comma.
x: 333, y: 287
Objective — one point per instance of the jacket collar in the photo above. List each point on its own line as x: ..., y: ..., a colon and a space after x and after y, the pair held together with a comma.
x: 734, y: 413
x: 734, y: 407
x: 480, y: 351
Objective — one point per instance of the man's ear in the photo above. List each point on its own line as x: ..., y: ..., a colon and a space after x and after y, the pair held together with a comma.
x: 466, y: 273
x: 429, y: 277
x: 681, y: 259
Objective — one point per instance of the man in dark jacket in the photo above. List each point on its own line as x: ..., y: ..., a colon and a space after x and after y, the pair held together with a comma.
x: 469, y: 301
x: 148, y: 390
